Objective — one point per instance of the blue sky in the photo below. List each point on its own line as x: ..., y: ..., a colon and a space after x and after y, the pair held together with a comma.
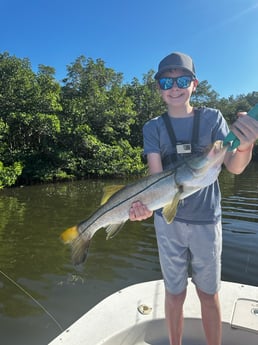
x: 132, y: 36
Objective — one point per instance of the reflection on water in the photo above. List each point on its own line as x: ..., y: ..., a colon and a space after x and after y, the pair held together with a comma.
x: 31, y: 253
x: 240, y: 226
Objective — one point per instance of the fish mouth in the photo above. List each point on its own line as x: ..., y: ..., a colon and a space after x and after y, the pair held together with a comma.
x: 203, y: 170
x: 217, y: 151
x: 213, y: 156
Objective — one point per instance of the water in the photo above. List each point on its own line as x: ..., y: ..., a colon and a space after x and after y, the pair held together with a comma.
x: 32, y: 255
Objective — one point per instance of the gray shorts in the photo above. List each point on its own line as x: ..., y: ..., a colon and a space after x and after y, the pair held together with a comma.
x: 181, y: 244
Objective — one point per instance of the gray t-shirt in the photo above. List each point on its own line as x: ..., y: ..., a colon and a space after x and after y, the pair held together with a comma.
x: 202, y: 207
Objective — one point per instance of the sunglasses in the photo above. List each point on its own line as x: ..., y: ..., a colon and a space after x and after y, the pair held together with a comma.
x: 182, y: 82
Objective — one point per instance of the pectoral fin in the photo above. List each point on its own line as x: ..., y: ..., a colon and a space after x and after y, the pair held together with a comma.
x: 109, y: 191
x: 113, y: 229
x: 169, y: 210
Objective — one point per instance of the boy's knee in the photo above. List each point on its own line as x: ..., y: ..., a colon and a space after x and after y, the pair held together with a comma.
x: 173, y: 300
x: 208, y: 300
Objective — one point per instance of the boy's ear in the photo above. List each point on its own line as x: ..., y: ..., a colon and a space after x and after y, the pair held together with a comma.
x: 196, y: 82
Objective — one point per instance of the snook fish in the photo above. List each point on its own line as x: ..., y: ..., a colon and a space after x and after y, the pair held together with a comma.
x: 163, y: 190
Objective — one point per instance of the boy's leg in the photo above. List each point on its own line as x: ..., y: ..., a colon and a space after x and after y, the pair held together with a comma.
x: 206, y: 269
x: 211, y: 317
x: 174, y: 259
x: 174, y: 316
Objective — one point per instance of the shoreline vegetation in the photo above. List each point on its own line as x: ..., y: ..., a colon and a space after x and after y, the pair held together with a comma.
x: 89, y: 125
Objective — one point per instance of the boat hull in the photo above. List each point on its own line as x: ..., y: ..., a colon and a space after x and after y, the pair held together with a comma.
x: 135, y: 315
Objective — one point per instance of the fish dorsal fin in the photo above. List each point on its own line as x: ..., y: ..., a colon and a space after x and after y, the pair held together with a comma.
x: 113, y: 229
x: 108, y: 191
x: 169, y: 210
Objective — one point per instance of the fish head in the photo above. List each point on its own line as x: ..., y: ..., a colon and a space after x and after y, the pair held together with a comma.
x: 212, y: 157
x: 201, y: 171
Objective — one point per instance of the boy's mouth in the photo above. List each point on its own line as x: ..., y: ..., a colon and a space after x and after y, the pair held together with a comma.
x: 177, y: 96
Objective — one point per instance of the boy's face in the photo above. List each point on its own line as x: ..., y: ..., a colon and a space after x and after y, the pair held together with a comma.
x: 176, y: 96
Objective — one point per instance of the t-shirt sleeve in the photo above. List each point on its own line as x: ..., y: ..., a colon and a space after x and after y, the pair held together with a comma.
x: 221, y: 129
x: 151, y: 142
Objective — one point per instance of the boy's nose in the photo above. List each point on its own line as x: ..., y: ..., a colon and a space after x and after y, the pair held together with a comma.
x: 174, y: 85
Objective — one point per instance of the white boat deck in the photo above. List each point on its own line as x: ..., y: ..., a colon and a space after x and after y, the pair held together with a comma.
x: 117, y: 319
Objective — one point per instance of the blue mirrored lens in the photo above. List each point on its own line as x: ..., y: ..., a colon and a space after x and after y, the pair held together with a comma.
x: 166, y: 83
x: 182, y: 82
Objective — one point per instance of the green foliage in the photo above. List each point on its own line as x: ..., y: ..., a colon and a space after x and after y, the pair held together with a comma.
x: 205, y: 95
x: 119, y: 159
x: 8, y: 175
x: 91, y: 125
x: 93, y: 95
x: 147, y: 104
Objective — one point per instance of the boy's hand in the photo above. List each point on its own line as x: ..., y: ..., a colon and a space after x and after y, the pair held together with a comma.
x: 246, y: 130
x: 139, y: 211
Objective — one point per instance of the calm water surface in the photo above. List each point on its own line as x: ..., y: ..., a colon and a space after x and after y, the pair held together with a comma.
x: 32, y: 255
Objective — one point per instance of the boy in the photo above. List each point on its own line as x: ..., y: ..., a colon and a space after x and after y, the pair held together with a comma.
x: 195, y: 235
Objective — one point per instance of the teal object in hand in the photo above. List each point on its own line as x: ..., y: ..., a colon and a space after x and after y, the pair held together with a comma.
x: 232, y: 138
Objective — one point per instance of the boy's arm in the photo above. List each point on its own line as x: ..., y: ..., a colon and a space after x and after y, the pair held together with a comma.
x: 246, y: 129
x: 139, y: 211
x: 154, y: 163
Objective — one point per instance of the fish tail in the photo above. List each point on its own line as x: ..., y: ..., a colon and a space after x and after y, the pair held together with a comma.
x: 69, y: 235
x: 79, y: 244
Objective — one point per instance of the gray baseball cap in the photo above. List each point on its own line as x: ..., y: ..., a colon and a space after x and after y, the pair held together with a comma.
x: 176, y: 60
